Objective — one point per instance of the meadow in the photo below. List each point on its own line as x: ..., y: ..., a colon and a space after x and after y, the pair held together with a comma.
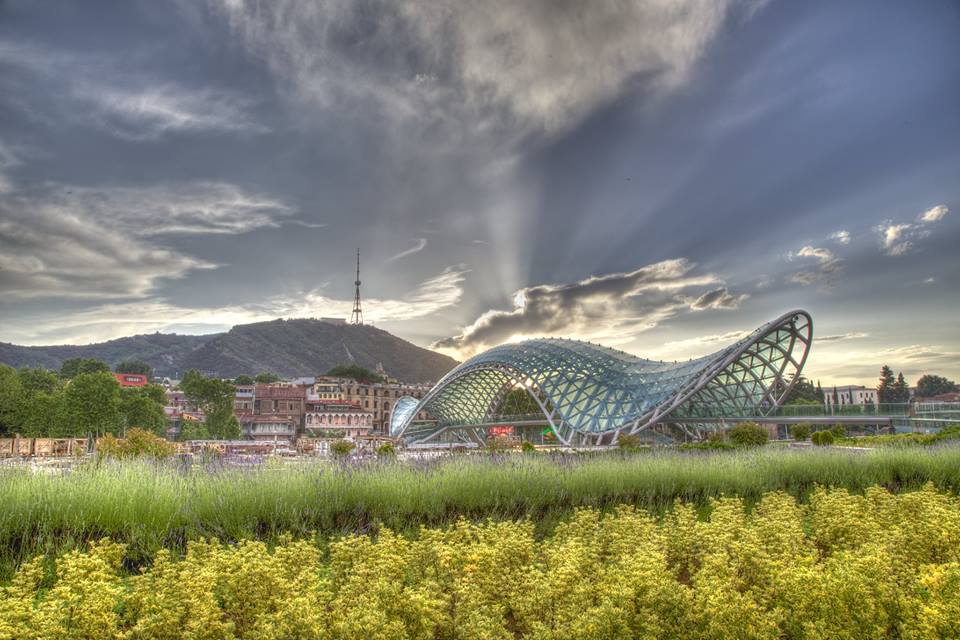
x: 150, y: 507
x: 840, y: 564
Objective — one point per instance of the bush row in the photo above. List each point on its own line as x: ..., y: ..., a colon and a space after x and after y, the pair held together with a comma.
x: 843, y: 566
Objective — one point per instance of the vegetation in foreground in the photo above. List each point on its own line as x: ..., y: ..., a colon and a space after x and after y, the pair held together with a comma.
x: 149, y: 507
x: 876, y: 565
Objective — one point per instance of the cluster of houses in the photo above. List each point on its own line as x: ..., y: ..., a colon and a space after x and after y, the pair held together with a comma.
x: 320, y: 407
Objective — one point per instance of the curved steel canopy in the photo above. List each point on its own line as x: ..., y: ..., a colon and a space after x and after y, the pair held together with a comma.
x: 591, y: 394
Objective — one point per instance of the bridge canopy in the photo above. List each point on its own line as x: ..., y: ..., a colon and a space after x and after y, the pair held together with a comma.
x: 588, y: 393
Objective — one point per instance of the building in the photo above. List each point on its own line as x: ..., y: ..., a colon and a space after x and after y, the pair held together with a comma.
x: 243, y: 397
x: 337, y: 417
x: 378, y: 398
x: 131, y: 379
x: 848, y: 395
x: 588, y: 394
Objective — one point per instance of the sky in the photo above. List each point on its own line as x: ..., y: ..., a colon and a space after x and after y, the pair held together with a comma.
x: 661, y: 177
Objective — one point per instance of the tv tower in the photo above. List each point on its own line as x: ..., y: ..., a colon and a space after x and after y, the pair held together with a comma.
x: 357, y: 316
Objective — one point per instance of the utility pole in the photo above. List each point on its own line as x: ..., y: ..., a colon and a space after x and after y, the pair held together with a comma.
x: 357, y: 316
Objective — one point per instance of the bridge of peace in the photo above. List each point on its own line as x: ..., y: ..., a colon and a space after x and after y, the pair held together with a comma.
x: 587, y: 394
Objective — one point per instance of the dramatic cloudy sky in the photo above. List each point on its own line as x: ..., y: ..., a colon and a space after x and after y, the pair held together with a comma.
x: 657, y: 176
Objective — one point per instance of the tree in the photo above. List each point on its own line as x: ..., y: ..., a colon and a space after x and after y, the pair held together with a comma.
x: 137, y: 443
x: 518, y: 402
x: 38, y: 380
x: 748, y: 434
x: 92, y: 404
x: 885, y: 392
x: 193, y: 431
x: 11, y: 396
x: 901, y: 390
x: 803, y: 390
x: 134, y: 366
x: 215, y: 398
x: 355, y: 372
x: 72, y: 367
x: 243, y: 379
x: 140, y: 410
x: 266, y: 377
x: 933, y: 385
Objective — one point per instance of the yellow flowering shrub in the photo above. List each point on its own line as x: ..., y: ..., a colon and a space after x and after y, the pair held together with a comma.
x: 842, y: 566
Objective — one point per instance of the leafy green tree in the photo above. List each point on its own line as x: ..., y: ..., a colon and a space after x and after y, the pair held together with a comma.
x: 135, y: 366
x: 72, y: 367
x: 215, y: 398
x: 140, y: 410
x: 243, y: 379
x: 748, y: 434
x: 193, y: 431
x: 901, y: 390
x: 885, y: 391
x: 354, y: 372
x: 11, y: 397
x: 386, y: 450
x: 44, y: 414
x: 38, y: 380
x: 933, y: 385
x: 266, y: 377
x: 803, y: 390
x: 92, y: 404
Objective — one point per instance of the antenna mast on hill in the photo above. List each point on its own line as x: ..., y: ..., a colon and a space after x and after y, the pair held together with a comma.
x: 357, y: 316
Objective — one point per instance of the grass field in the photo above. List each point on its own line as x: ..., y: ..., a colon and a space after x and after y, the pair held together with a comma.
x: 151, y: 507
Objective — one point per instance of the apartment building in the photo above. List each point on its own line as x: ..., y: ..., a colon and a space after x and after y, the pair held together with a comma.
x: 850, y: 394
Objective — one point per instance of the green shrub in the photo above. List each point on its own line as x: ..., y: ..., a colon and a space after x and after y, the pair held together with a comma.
x: 629, y: 442
x: 748, y: 434
x: 800, y: 431
x: 527, y: 447
x: 386, y: 450
x: 838, y: 431
x: 137, y: 443
x: 822, y: 438
x: 342, y: 448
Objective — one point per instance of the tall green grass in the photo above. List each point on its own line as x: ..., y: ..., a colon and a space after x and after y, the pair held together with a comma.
x: 153, y: 506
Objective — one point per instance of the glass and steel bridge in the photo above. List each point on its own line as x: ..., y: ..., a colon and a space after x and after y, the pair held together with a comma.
x: 589, y: 394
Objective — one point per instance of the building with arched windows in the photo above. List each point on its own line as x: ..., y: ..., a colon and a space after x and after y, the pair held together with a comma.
x: 344, y: 419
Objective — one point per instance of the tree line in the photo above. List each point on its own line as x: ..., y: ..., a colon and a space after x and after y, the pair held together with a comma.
x: 83, y: 399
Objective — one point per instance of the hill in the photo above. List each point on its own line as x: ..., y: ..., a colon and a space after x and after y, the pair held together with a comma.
x: 291, y: 348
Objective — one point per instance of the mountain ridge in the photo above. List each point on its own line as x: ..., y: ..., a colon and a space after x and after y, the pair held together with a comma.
x: 289, y: 347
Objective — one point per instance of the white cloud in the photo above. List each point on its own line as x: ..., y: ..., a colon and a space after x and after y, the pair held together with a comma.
x: 125, y: 103
x: 8, y: 160
x: 837, y: 337
x: 934, y: 214
x: 73, y: 242
x: 417, y: 248
x: 181, y: 208
x: 109, y: 320
x: 828, y: 265
x: 611, y: 308
x: 719, y: 298
x: 506, y: 68
x: 843, y: 237
x: 898, y: 239
x: 151, y: 112
x: 684, y: 347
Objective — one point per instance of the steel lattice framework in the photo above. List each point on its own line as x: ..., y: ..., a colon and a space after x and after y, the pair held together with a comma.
x: 590, y: 394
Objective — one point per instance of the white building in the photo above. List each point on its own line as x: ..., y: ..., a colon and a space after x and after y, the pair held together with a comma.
x: 849, y: 394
